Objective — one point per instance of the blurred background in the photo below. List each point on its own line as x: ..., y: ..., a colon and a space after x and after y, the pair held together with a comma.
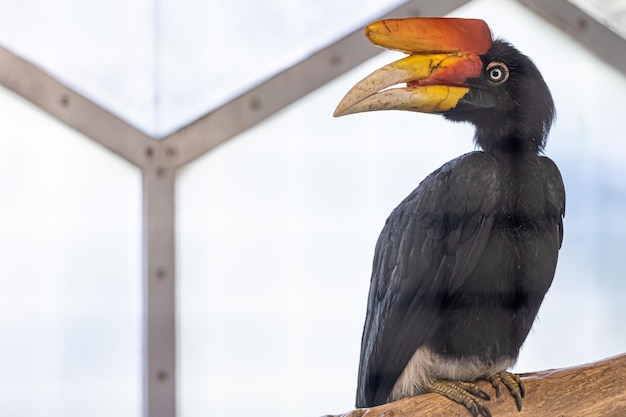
x: 275, y: 228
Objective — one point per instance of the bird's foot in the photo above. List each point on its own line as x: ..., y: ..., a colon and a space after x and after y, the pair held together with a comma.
x: 464, y: 393
x: 512, y: 382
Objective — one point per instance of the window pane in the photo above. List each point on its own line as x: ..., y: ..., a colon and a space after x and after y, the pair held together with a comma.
x: 224, y: 47
x: 277, y: 231
x: 70, y: 305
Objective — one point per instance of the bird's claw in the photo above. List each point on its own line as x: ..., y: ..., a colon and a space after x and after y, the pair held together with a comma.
x: 474, y: 390
x: 464, y: 393
x: 472, y: 396
x: 512, y: 382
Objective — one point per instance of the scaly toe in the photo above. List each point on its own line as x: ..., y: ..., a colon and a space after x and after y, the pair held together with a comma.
x: 512, y: 382
x: 464, y: 393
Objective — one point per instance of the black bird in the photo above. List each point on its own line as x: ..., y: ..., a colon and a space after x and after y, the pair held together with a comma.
x: 463, y: 263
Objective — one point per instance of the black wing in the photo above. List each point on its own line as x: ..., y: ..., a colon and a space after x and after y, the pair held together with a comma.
x: 554, y: 193
x: 430, y: 243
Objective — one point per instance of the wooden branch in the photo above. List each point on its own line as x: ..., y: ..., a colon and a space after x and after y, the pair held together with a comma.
x: 593, y: 390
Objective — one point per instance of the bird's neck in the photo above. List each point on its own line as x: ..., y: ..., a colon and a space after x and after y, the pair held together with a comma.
x: 512, y: 145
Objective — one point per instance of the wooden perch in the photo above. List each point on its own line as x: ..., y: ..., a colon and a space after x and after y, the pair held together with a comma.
x: 593, y: 390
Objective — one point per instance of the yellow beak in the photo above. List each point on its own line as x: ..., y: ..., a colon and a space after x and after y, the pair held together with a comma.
x: 444, y: 55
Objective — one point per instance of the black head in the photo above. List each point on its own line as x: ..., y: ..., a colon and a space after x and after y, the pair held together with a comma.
x: 509, y: 103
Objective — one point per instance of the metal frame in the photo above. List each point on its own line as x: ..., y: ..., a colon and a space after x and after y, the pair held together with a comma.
x: 159, y: 160
x: 599, y: 39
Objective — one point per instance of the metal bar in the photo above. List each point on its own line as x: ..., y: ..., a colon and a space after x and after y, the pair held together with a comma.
x: 71, y: 108
x: 599, y: 39
x: 288, y: 86
x: 159, y: 379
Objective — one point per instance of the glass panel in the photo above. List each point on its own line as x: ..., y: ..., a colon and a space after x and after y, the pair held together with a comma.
x: 277, y: 231
x: 70, y: 244
x: 210, y: 52
x: 160, y: 64
x: 103, y: 49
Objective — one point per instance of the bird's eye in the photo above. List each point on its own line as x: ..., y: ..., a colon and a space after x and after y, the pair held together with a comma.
x: 497, y: 72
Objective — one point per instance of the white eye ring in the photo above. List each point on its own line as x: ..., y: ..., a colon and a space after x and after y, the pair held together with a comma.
x: 497, y: 72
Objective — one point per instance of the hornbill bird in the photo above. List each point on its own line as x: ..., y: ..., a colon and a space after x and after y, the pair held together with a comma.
x: 463, y: 263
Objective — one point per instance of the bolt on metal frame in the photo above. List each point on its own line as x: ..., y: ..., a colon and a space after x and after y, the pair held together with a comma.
x: 160, y: 159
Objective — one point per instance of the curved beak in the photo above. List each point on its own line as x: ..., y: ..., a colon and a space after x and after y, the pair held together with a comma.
x: 444, y: 54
